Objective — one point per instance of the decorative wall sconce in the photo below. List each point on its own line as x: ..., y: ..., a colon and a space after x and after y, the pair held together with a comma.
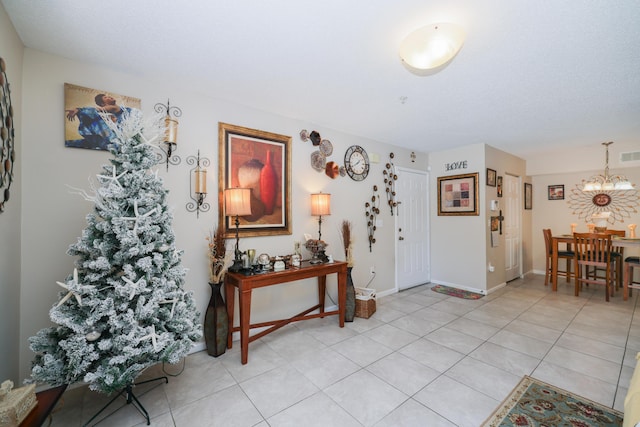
x: 390, y: 178
x: 429, y: 49
x: 171, y: 132
x: 198, y: 174
x: 237, y: 202
x: 371, y: 211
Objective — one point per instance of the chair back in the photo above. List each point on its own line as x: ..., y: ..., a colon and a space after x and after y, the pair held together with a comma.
x: 547, y: 240
x: 592, y: 248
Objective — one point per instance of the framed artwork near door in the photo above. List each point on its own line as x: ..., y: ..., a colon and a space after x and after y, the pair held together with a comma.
x: 458, y: 194
x: 528, y: 196
x: 499, y: 189
x: 556, y: 192
x: 491, y: 177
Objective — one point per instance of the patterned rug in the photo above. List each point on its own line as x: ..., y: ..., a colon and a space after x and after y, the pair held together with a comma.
x: 535, y: 403
x: 454, y: 292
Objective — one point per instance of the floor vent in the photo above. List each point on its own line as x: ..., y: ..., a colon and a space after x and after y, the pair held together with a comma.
x: 630, y: 156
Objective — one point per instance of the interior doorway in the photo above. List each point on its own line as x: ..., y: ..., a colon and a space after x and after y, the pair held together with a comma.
x: 412, y: 228
x: 512, y: 200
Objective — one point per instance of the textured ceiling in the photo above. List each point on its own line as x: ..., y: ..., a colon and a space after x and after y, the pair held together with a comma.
x: 531, y: 75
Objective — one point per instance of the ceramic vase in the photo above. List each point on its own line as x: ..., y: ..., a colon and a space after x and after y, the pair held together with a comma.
x: 350, y: 308
x: 268, y: 185
x: 216, y: 323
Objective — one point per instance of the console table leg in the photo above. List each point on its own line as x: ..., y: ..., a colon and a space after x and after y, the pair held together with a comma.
x: 230, y: 293
x: 322, y: 289
x: 245, y: 322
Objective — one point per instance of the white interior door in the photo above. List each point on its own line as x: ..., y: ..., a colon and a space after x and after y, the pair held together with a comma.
x: 512, y: 197
x: 412, y: 229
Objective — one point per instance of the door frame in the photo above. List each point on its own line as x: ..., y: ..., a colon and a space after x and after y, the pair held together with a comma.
x: 427, y: 219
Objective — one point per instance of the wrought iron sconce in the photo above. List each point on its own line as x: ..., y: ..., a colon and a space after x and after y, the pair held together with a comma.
x: 371, y: 211
x: 199, y: 175
x: 171, y: 133
x: 390, y: 178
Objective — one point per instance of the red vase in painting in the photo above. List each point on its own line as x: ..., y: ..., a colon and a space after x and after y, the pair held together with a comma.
x: 268, y: 185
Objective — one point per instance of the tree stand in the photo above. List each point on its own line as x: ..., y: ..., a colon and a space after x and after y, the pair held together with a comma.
x: 131, y: 398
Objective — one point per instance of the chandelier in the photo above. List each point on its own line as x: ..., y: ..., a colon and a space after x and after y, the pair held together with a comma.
x: 607, y: 182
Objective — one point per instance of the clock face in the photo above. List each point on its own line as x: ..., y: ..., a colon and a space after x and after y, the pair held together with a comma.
x: 356, y: 163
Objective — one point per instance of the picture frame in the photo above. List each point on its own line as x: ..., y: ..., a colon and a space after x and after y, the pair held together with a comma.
x: 458, y: 195
x: 528, y: 196
x: 261, y: 161
x: 555, y: 192
x: 83, y: 123
x: 499, y: 187
x: 491, y: 177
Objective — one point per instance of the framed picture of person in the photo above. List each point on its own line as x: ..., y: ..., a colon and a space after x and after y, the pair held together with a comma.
x: 85, y: 111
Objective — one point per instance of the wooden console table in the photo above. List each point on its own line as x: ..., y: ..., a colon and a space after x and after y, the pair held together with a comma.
x: 245, y: 284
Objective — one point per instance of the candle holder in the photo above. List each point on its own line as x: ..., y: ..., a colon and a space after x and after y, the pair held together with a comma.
x: 199, y: 175
x: 171, y: 133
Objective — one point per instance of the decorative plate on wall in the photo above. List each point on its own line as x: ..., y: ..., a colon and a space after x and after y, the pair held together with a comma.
x: 318, y: 161
x: 7, y: 147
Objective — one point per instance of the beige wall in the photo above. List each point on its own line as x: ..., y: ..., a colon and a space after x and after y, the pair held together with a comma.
x: 53, y: 218
x: 11, y: 50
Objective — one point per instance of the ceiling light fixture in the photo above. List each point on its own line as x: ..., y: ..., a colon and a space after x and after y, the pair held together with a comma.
x: 429, y: 49
x: 607, y: 182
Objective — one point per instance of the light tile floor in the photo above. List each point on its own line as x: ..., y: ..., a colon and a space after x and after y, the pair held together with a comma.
x: 423, y: 359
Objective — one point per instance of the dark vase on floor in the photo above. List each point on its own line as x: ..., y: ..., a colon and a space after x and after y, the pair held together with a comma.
x: 350, y: 309
x: 216, y: 322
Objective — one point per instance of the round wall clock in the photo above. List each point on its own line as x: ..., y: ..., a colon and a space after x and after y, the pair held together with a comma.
x: 356, y: 163
x: 7, y: 150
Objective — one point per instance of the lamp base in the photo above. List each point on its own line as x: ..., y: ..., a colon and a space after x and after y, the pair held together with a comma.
x: 237, y: 266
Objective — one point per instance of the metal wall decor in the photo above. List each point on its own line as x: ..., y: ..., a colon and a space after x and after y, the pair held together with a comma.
x: 319, y: 157
x: 199, y: 190
x: 372, y: 209
x: 7, y: 146
x: 620, y: 203
x: 171, y: 135
x: 390, y: 178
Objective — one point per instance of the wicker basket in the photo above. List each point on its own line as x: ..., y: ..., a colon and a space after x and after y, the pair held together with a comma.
x: 365, y: 302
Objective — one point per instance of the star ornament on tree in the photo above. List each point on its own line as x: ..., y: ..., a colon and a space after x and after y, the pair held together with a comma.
x: 74, y: 283
x: 137, y: 216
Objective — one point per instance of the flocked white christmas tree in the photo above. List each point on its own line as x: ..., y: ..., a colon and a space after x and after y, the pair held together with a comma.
x: 124, y: 308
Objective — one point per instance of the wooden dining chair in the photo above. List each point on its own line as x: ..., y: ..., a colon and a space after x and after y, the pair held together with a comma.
x: 629, y: 264
x: 593, y: 250
x: 567, y: 255
x: 617, y: 257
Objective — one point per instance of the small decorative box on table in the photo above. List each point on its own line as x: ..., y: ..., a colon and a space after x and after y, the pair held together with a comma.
x: 16, y: 404
x: 365, y: 302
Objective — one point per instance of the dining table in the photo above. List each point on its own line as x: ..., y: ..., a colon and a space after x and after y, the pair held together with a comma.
x: 617, y: 241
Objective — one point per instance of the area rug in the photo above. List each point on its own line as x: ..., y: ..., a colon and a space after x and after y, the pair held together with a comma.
x: 535, y: 403
x: 454, y: 292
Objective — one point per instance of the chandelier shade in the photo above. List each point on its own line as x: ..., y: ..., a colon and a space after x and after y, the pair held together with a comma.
x: 606, y: 182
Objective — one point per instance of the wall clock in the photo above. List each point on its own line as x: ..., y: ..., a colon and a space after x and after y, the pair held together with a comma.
x: 356, y: 163
x: 7, y: 150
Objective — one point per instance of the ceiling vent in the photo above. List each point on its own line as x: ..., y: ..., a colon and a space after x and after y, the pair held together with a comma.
x: 630, y: 158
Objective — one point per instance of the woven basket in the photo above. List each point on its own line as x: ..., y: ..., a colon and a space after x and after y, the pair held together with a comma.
x: 365, y: 302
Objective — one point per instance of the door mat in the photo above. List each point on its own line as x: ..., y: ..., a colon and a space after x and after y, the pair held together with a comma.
x: 455, y: 292
x: 536, y: 403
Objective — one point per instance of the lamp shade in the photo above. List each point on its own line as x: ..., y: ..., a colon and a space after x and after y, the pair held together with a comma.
x: 320, y: 204
x: 431, y: 47
x: 237, y: 201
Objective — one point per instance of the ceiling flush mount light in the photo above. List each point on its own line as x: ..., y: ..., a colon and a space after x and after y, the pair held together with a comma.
x: 429, y: 49
x: 607, y: 182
